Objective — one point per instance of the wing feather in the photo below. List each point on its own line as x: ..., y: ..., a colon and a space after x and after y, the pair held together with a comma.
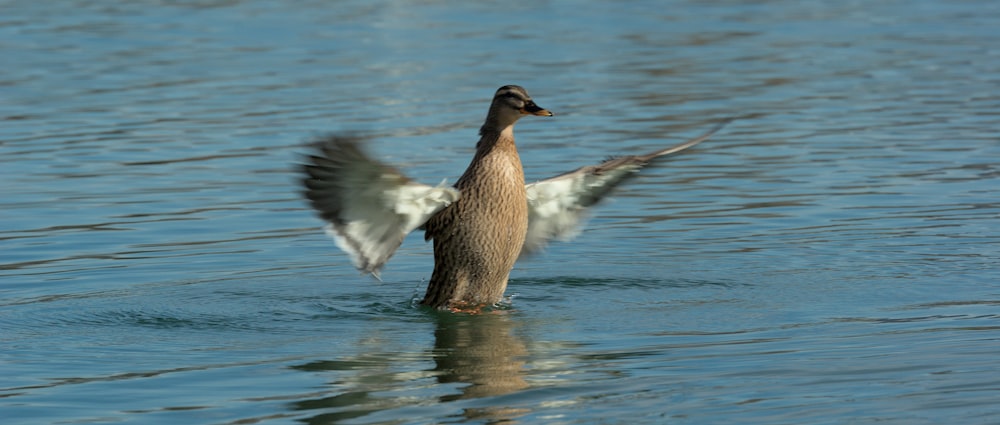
x: 557, y: 206
x: 369, y: 207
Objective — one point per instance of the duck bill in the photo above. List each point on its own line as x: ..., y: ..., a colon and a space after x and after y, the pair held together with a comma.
x: 531, y: 108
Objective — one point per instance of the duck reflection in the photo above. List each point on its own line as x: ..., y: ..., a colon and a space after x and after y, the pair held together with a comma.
x: 481, y: 351
x: 484, y: 352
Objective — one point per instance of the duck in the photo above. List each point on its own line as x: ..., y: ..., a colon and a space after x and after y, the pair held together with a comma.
x: 481, y: 225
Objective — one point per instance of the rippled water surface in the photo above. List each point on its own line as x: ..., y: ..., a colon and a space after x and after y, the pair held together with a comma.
x: 830, y: 257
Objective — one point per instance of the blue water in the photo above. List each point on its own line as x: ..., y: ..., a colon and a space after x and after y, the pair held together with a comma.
x: 830, y: 257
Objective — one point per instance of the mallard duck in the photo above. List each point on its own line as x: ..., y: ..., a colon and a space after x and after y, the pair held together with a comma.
x: 481, y: 226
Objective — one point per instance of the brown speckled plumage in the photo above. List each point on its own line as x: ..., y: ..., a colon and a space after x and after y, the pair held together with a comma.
x: 478, y: 238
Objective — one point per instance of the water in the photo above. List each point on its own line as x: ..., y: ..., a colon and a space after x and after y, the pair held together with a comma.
x: 830, y: 257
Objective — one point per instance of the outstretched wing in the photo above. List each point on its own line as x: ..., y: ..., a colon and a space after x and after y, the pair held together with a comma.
x: 369, y: 207
x: 557, y: 205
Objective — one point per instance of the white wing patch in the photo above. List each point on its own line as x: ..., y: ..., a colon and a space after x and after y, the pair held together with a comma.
x: 369, y: 207
x: 418, y: 202
x: 557, y: 207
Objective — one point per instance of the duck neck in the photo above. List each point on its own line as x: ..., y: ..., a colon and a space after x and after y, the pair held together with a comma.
x: 495, y: 138
x: 495, y: 153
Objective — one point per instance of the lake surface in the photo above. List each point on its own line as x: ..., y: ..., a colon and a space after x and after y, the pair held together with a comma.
x: 830, y: 257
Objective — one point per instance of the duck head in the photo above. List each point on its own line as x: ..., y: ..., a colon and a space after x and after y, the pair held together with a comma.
x: 510, y: 103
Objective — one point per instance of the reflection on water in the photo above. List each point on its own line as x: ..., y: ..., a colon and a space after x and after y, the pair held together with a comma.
x: 477, y: 355
x: 483, y: 352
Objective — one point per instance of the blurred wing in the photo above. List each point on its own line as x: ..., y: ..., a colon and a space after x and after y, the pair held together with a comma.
x: 369, y: 207
x: 557, y: 206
